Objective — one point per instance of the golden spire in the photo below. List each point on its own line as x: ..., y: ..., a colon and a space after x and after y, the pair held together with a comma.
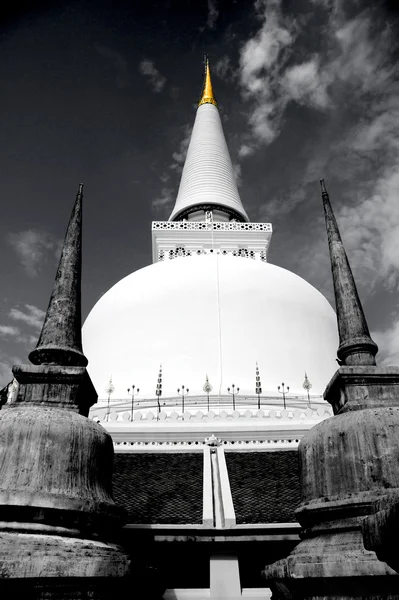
x: 207, y: 96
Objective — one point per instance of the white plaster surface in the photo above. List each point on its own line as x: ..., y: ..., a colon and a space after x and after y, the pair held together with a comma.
x: 225, y: 578
x: 212, y: 315
x: 208, y: 175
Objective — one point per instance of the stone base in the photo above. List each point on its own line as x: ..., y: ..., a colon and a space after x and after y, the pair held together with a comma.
x: 381, y: 530
x: 43, y: 567
x: 358, y: 387
x: 333, y: 566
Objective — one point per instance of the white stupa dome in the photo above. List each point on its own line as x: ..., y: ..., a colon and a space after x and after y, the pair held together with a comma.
x: 214, y: 315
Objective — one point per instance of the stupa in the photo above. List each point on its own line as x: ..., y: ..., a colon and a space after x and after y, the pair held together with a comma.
x: 210, y: 364
x: 210, y: 307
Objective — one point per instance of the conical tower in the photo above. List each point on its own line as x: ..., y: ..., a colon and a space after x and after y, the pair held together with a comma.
x: 208, y: 182
x: 356, y: 346
x: 55, y: 463
x: 60, y: 341
x: 208, y: 215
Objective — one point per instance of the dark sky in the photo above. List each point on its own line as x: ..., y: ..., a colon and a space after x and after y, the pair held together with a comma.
x: 105, y: 93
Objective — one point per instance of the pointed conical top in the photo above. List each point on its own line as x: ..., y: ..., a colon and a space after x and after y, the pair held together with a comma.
x: 207, y: 96
x: 60, y: 341
x: 208, y: 182
x: 356, y: 346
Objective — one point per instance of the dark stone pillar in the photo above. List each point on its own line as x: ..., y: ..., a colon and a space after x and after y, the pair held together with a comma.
x: 58, y: 520
x: 347, y: 463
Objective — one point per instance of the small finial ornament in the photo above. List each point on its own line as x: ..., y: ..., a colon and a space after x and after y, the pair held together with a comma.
x: 158, y: 389
x: 213, y: 441
x: 207, y: 96
x: 258, y: 384
x: 207, y: 386
x: 110, y: 387
x: 307, y: 386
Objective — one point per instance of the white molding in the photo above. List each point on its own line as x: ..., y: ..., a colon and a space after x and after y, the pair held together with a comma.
x: 171, y: 240
x: 207, y: 502
x: 185, y: 594
x: 227, y: 499
x: 204, y: 594
x: 253, y: 526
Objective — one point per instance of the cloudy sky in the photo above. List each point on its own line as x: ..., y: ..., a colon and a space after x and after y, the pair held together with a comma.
x: 105, y: 93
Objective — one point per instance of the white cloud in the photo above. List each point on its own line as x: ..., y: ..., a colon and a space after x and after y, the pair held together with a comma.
x: 6, y: 364
x: 388, y: 344
x: 305, y: 84
x: 163, y: 205
x: 156, y: 80
x: 9, y: 331
x: 237, y: 173
x: 213, y: 13
x: 33, y: 316
x: 223, y: 68
x: 261, y: 60
x: 33, y: 248
x: 180, y: 156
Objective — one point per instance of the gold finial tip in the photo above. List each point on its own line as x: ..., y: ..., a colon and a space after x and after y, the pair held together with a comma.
x: 207, y: 96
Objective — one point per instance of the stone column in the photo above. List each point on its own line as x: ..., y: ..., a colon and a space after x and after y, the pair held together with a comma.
x: 58, y: 519
x: 347, y: 462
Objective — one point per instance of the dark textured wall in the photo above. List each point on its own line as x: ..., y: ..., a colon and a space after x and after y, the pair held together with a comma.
x: 159, y: 488
x: 264, y: 485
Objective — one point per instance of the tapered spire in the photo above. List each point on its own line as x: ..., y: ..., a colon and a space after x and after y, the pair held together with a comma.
x: 207, y: 96
x: 208, y: 182
x: 355, y: 344
x: 60, y: 341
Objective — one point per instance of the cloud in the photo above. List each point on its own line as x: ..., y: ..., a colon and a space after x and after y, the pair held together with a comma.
x: 352, y: 55
x: 224, y: 69
x: 119, y: 63
x: 213, y: 13
x: 6, y: 364
x: 30, y: 316
x: 34, y: 248
x: 156, y: 80
x: 9, y: 331
x: 33, y: 316
x: 305, y: 84
x: 180, y: 156
x: 349, y: 75
x: 261, y: 59
x: 162, y: 206
x: 388, y: 344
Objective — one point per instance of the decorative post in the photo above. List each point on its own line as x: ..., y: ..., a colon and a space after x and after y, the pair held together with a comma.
x: 258, y: 385
x: 348, y: 466
x: 207, y: 389
x: 56, y: 464
x: 307, y: 386
x: 110, y: 390
x: 132, y: 393
x: 158, y: 390
x: 283, y: 391
x: 233, y: 393
x: 184, y: 391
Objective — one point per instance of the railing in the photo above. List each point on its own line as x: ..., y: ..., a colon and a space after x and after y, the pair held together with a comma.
x: 219, y: 407
x: 223, y: 415
x: 215, y: 226
x: 216, y: 402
